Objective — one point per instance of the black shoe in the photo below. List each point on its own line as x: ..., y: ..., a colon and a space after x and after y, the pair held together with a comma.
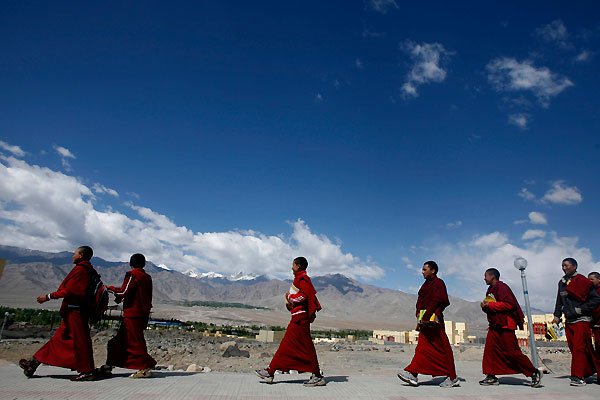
x: 536, y: 379
x: 490, y: 380
x: 88, y: 376
x: 576, y: 381
x: 29, y: 366
x: 104, y: 371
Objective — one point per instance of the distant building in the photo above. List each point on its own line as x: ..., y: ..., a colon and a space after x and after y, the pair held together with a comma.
x: 456, y: 332
x: 541, y: 322
x: 270, y: 336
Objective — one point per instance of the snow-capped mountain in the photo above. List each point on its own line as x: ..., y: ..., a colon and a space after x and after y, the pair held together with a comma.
x: 239, y: 276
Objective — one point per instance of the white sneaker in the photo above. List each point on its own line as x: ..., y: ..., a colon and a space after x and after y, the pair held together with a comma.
x: 315, y: 381
x: 264, y: 375
x: 448, y: 383
x: 409, y: 378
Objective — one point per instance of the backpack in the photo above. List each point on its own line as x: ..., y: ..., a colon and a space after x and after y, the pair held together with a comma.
x: 97, y: 298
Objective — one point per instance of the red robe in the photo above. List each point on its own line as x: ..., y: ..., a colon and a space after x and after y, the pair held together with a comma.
x: 433, y: 354
x: 502, y: 354
x: 71, y: 345
x: 596, y: 335
x: 297, y: 350
x: 128, y: 348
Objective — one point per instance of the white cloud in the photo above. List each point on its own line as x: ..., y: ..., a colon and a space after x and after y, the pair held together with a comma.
x: 494, y: 239
x: 526, y: 194
x: 319, y: 98
x: 555, y: 32
x: 559, y: 193
x: 583, y: 56
x: 533, y: 234
x: 15, y: 150
x: 537, y: 218
x: 427, y: 66
x: 509, y: 75
x: 466, y: 262
x: 382, y: 6
x: 101, y: 189
x: 359, y: 64
x: 49, y: 210
x: 455, y: 224
x: 64, y: 152
x: 519, y: 120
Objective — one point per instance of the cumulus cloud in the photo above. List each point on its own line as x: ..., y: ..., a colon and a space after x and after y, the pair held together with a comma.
x: 494, y: 239
x: 560, y: 193
x: 555, y: 32
x: 14, y: 150
x: 467, y: 261
x: 520, y: 120
x: 533, y: 234
x: 382, y: 6
x: 101, y: 189
x: 49, y: 210
x: 428, y: 59
x: 538, y: 218
x: 509, y: 75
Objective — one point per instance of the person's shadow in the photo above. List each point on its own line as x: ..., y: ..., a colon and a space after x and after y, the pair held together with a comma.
x: 433, y: 381
x: 328, y: 379
x: 510, y: 380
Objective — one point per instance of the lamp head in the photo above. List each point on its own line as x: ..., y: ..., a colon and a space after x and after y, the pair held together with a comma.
x: 520, y: 263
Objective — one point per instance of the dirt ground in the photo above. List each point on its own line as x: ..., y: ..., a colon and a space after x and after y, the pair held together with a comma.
x: 177, y: 350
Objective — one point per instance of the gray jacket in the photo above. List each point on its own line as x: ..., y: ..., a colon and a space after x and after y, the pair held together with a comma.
x: 574, y: 310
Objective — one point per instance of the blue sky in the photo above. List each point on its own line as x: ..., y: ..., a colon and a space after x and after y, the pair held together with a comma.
x: 368, y: 135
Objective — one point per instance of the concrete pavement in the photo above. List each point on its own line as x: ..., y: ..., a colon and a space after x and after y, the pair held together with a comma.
x: 53, y: 383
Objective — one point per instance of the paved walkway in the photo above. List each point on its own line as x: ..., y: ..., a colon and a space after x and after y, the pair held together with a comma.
x: 54, y: 383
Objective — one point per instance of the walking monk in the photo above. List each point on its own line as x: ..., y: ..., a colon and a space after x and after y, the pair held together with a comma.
x: 71, y: 345
x: 577, y: 299
x: 128, y: 348
x: 433, y: 355
x: 594, y: 277
x: 297, y: 351
x: 502, y: 354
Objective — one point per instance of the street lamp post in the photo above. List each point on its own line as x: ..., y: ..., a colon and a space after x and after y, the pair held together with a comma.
x: 6, y: 314
x: 521, y: 264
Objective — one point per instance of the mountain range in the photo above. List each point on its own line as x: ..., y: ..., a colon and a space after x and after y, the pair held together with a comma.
x: 347, y: 303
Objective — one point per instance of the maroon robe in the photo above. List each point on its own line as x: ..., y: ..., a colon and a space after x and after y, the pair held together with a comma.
x: 71, y: 345
x: 596, y: 335
x: 433, y: 354
x: 128, y: 348
x: 502, y: 354
x: 297, y: 350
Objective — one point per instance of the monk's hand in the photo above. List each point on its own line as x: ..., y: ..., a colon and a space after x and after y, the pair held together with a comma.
x: 42, y: 298
x: 483, y: 305
x: 556, y: 320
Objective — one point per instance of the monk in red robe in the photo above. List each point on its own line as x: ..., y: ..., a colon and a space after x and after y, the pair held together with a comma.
x: 71, y: 345
x: 297, y: 351
x: 577, y: 299
x: 128, y: 348
x: 502, y: 354
x: 433, y: 355
x: 594, y: 277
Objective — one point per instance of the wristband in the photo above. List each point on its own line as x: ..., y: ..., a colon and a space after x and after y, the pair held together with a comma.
x: 49, y: 296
